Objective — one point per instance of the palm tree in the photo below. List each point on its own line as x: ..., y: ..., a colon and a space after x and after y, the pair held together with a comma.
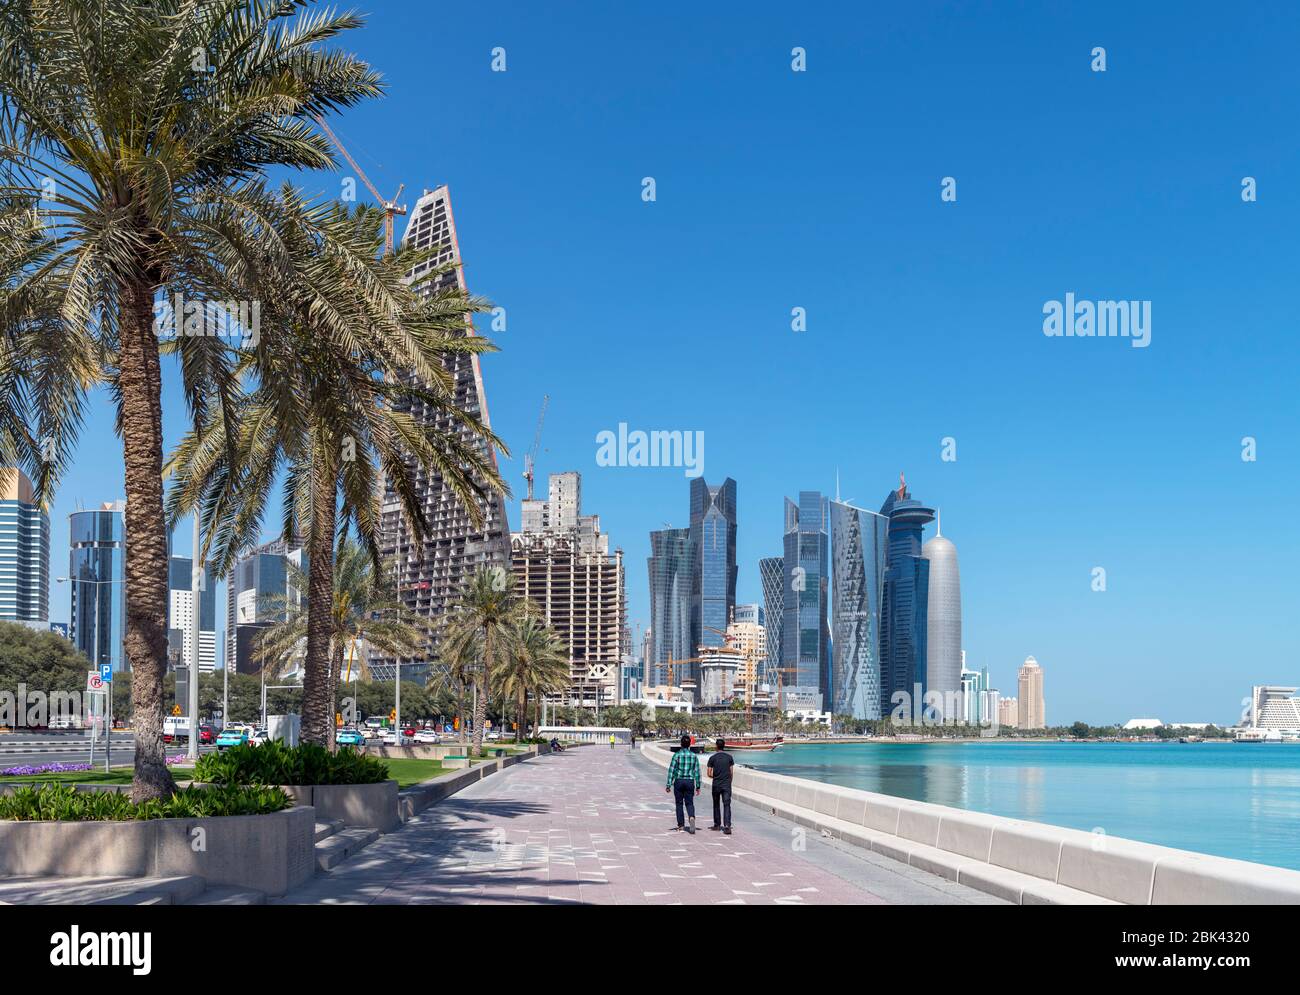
x: 136, y: 133
x: 331, y: 409
x: 484, y: 616
x: 538, y: 662
x: 364, y: 611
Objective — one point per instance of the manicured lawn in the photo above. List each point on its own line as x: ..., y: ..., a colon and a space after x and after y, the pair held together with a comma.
x: 409, y: 772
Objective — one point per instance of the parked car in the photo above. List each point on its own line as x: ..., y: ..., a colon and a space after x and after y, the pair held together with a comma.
x: 234, y: 736
x: 428, y: 737
x: 349, y: 737
x: 207, y: 735
x: 493, y: 736
x: 260, y: 736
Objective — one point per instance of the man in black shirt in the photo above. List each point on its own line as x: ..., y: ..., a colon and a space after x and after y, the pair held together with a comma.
x: 719, y: 771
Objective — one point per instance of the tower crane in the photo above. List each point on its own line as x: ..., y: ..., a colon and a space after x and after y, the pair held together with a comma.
x: 390, y: 207
x: 530, y: 457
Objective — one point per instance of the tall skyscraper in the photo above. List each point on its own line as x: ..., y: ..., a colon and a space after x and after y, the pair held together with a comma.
x: 97, y: 573
x: 1033, y: 710
x: 943, y: 628
x: 771, y: 575
x: 805, y: 632
x: 430, y: 574
x: 670, y: 565
x: 713, y: 575
x: 24, y: 551
x: 258, y: 591
x: 859, y: 541
x: 905, y: 603
x: 566, y: 569
x: 180, y: 611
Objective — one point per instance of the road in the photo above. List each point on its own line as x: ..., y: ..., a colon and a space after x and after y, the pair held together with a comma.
x: 24, y: 748
x: 594, y: 826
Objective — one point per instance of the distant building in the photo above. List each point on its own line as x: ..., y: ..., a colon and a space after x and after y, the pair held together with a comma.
x: 429, y: 571
x: 748, y: 635
x: 771, y: 573
x: 719, y: 670
x: 805, y: 631
x: 904, y: 668
x: 669, y: 567
x: 259, y: 591
x: 180, y: 611
x: 859, y: 546
x: 1273, y: 706
x: 1033, y: 710
x: 97, y: 575
x: 24, y: 551
x: 713, y: 564
x: 1140, y: 725
x: 943, y: 665
x: 565, y: 568
x: 1008, y: 712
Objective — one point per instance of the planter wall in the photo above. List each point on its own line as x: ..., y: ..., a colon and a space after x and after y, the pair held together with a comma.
x: 270, y: 853
x: 368, y: 806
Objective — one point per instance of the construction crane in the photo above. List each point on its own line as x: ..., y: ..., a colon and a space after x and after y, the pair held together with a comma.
x: 530, y: 457
x: 390, y: 207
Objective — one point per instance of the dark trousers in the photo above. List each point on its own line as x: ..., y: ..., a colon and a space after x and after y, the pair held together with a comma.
x: 722, y: 806
x: 684, y: 791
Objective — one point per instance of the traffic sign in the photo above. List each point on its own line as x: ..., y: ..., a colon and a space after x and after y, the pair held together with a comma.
x: 94, y: 682
x: 106, y: 673
x: 176, y: 709
x: 392, y: 715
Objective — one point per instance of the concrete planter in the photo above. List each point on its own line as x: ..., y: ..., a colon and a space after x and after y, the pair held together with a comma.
x: 362, y: 806
x: 270, y: 853
x: 416, y: 799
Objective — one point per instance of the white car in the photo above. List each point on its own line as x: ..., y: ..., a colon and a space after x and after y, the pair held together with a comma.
x: 390, y: 738
x: 493, y: 736
x: 259, y: 736
x: 428, y: 737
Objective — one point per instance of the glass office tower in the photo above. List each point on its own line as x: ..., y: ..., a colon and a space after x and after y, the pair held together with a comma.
x: 771, y: 575
x: 97, y: 572
x: 805, y: 636
x: 905, y: 603
x: 713, y: 576
x: 24, y: 551
x: 859, y: 541
x: 670, y: 565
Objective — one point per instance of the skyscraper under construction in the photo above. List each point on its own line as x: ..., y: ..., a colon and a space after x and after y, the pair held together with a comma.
x: 430, y: 573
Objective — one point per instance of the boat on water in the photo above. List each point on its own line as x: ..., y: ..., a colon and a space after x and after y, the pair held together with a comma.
x: 1254, y: 735
x: 1190, y: 739
x: 754, y: 743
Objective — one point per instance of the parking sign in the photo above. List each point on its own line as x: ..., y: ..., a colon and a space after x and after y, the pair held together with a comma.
x: 106, y: 673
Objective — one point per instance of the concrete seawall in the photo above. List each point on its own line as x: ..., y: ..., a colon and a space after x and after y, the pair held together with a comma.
x: 1026, y: 862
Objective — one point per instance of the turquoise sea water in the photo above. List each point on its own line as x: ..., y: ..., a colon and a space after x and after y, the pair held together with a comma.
x: 1235, y: 800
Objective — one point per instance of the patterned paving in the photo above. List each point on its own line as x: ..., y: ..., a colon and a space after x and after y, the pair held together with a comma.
x: 594, y: 826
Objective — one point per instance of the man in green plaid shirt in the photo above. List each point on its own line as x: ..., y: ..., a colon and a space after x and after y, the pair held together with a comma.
x: 684, y: 782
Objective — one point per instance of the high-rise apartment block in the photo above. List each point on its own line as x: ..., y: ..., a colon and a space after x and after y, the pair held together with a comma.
x: 564, y: 566
x: 1033, y: 710
x: 429, y: 573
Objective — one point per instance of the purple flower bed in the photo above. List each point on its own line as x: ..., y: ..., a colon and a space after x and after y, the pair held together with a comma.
x: 42, y: 769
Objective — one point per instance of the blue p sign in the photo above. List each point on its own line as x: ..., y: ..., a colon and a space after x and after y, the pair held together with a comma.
x: 106, y: 673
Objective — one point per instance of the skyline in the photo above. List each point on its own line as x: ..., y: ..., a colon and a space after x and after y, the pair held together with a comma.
x: 1058, y: 440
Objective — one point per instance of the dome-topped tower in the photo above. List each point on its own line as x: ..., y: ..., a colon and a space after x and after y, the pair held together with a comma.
x: 943, y: 625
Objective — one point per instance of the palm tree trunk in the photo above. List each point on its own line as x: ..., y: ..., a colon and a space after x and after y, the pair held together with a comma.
x: 336, y: 675
x: 460, y: 711
x: 519, y: 715
x: 480, y: 706
x: 320, y: 605
x: 145, y: 579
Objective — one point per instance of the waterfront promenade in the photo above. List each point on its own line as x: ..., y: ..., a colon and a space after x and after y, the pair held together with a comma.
x: 594, y: 826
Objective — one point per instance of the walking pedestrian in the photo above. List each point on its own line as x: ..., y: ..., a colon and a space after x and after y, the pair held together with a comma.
x: 611, y: 740
x: 720, y: 765
x: 684, y: 782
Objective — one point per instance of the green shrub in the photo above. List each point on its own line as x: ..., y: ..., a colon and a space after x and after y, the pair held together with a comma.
x: 64, y: 803
x: 274, y: 763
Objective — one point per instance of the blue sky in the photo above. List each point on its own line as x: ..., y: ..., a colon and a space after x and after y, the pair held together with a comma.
x: 821, y: 190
